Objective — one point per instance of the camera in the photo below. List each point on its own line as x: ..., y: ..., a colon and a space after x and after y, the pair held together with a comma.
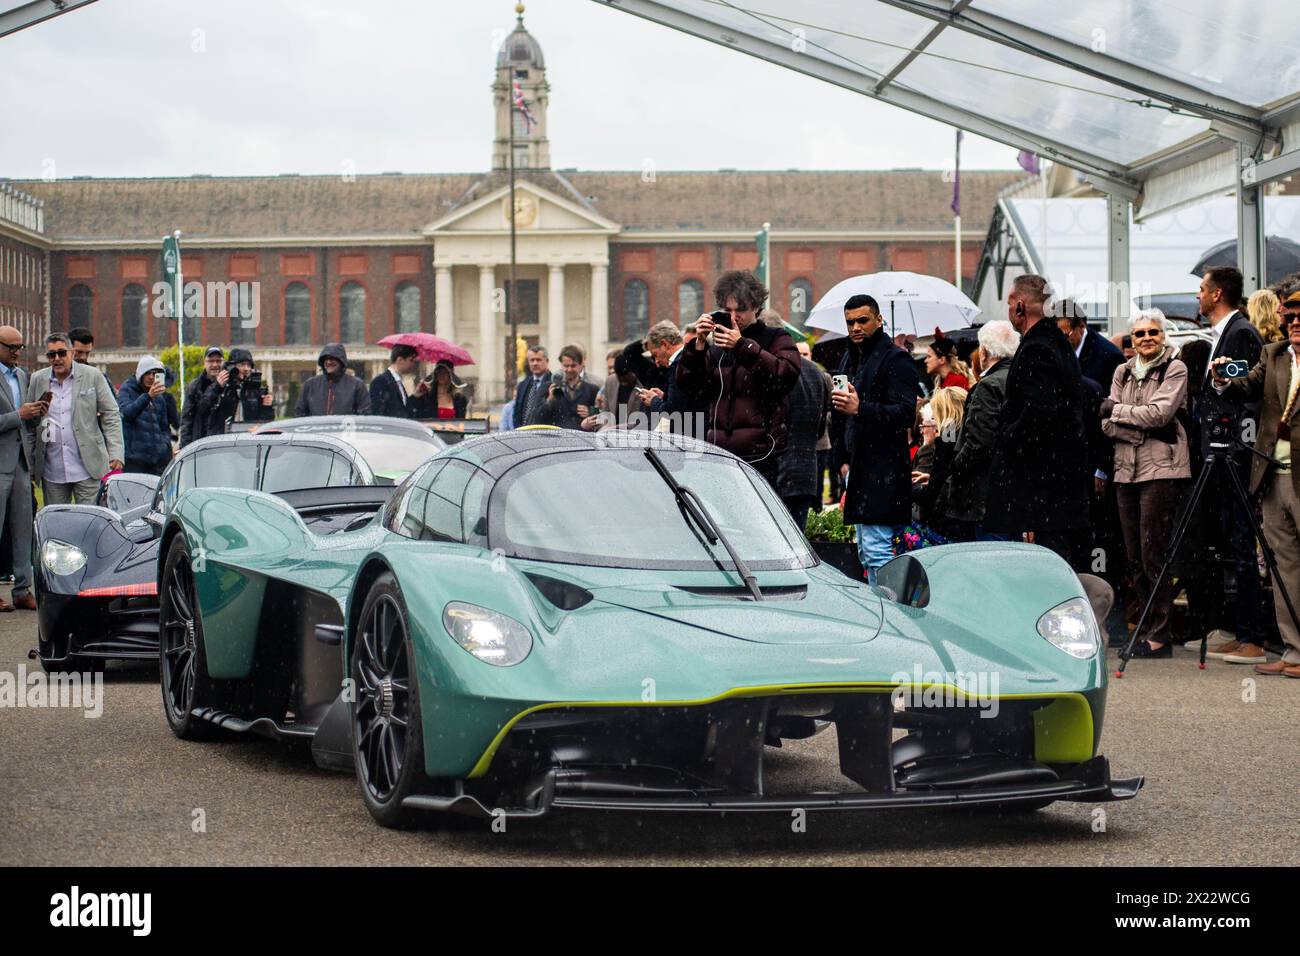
x: 1234, y: 369
x: 557, y: 384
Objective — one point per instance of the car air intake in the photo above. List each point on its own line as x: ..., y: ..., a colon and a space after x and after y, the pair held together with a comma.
x: 795, y: 592
x: 565, y: 596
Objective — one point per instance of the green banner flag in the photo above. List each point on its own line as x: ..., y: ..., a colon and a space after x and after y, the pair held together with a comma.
x: 171, y: 267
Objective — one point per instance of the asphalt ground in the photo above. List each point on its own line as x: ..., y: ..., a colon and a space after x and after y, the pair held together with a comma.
x: 1221, y: 759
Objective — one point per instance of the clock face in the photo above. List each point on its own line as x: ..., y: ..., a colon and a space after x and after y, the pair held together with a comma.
x: 525, y: 209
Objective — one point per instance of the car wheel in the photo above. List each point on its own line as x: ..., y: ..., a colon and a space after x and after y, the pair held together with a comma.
x: 387, y: 743
x: 181, y: 664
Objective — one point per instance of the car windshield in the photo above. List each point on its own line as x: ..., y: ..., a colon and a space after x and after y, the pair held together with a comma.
x: 611, y: 508
x: 390, y: 455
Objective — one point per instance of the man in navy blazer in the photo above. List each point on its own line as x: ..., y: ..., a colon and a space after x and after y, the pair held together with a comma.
x: 1219, y: 297
x: 1098, y: 358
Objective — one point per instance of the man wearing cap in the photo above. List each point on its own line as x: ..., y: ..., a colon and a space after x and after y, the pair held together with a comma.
x: 232, y: 397
x: 192, y: 427
x: 1274, y: 381
x: 147, y: 418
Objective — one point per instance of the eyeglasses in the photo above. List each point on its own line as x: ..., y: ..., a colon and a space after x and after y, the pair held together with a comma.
x: 57, y: 353
x: 1143, y: 333
x: 12, y: 347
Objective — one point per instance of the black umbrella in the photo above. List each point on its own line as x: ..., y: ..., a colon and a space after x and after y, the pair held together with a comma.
x: 1283, y: 257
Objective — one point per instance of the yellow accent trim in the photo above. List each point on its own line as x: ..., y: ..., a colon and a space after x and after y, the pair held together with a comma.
x: 1065, y: 741
x: 1063, y: 731
x: 529, y: 428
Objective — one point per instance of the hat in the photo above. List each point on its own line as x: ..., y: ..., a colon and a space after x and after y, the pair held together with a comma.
x: 213, y: 350
x: 943, y: 345
x: 1293, y: 297
x: 455, y: 382
x: 241, y: 355
x: 146, y: 365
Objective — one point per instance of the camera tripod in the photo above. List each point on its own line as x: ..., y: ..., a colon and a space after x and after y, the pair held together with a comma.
x: 1219, y: 454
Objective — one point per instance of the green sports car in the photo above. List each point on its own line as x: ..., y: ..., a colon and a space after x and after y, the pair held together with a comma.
x: 543, y: 618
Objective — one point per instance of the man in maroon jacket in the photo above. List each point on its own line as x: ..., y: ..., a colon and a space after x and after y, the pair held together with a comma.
x: 742, y: 371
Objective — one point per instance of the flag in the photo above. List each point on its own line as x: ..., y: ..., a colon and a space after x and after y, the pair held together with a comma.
x: 521, y: 105
x: 956, y: 180
x: 1028, y: 161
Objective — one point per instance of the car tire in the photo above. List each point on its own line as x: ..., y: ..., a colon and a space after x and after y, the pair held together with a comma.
x: 387, y: 736
x: 182, y: 664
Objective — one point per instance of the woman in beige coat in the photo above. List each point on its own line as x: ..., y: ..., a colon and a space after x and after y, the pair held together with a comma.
x: 1151, y: 466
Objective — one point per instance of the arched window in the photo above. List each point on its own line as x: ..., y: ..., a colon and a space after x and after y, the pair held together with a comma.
x: 135, y: 311
x: 636, y: 309
x: 81, y: 307
x: 243, y: 309
x: 801, y: 301
x: 297, y: 314
x: 406, y: 307
x: 352, y: 313
x: 690, y: 301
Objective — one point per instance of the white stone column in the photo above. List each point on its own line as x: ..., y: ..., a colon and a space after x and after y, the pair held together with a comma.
x: 555, y: 313
x: 599, y: 311
x: 444, y: 320
x: 489, y: 357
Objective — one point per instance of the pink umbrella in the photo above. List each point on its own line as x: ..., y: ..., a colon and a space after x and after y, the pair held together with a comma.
x: 431, y: 347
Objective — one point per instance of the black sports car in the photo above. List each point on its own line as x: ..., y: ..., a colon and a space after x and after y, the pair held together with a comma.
x: 95, y: 573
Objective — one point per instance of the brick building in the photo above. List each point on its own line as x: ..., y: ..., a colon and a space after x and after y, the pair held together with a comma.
x: 286, y: 263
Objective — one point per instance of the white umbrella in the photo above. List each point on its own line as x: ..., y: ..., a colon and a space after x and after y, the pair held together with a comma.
x: 909, y: 303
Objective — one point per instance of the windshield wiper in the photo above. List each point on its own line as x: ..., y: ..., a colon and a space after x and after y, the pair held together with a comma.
x: 694, y: 507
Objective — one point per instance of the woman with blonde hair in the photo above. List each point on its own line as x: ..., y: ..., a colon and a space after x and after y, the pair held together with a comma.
x: 941, y: 420
x: 1262, y: 308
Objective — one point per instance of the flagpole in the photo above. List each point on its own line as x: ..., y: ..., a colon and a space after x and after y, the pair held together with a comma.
x: 512, y: 346
x: 956, y: 222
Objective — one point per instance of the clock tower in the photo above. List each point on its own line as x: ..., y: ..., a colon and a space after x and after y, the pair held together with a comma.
x: 520, y: 64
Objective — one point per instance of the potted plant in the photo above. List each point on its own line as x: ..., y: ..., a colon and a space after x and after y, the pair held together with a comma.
x: 833, y: 540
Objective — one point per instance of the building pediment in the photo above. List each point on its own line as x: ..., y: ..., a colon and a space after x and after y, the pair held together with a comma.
x: 537, y: 211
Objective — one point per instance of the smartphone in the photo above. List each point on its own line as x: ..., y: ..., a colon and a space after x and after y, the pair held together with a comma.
x: 47, y: 397
x: 1235, y: 369
x: 721, y: 318
x: 840, y: 383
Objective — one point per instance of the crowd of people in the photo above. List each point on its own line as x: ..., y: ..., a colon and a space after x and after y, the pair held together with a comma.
x: 1046, y: 432
x: 64, y: 428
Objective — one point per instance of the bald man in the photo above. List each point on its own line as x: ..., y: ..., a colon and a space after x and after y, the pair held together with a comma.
x: 15, y: 464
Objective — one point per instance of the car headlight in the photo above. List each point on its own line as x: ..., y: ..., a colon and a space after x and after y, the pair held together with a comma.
x: 60, y: 558
x: 488, y: 635
x: 1072, y: 627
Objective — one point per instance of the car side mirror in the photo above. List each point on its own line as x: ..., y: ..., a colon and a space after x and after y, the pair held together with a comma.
x: 905, y: 581
x: 142, y: 532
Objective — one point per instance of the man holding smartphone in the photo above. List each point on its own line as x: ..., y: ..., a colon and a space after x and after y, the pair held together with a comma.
x: 79, y: 438
x: 742, y: 370
x: 874, y: 396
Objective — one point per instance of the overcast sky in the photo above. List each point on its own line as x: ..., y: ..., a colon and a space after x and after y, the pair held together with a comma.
x: 252, y: 87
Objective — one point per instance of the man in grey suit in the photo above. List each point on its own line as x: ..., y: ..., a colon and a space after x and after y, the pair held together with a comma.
x: 79, y: 440
x: 15, y: 465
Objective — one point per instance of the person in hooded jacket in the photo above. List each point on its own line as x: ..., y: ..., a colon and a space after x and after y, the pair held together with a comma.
x: 743, y: 375
x: 232, y: 398
x: 147, y: 418
x: 333, y: 391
